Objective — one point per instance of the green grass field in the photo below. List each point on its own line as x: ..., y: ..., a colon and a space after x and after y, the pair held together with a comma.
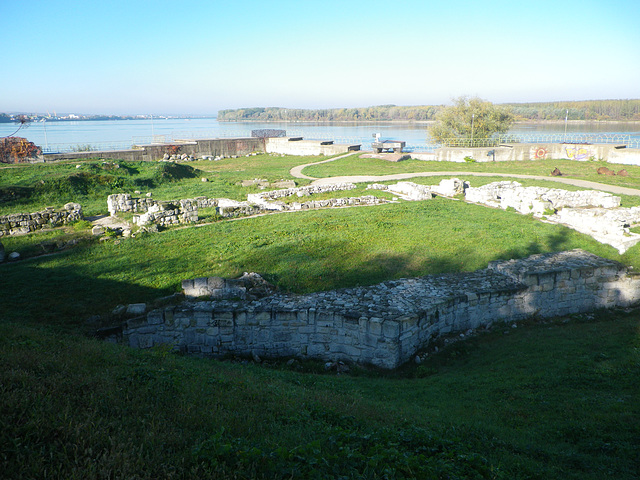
x: 546, y: 400
x: 354, y: 165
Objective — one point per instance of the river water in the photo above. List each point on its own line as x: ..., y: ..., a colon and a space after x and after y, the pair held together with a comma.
x: 64, y: 136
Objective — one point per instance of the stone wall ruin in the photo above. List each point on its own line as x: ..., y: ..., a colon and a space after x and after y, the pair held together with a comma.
x: 594, y: 213
x: 591, y: 212
x: 22, y: 223
x: 386, y: 324
x: 176, y: 212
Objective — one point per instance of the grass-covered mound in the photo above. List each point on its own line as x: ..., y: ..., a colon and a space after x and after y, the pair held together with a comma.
x: 88, y: 184
x: 26, y: 188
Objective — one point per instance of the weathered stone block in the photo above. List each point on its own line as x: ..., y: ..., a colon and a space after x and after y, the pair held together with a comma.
x: 324, y: 319
x: 240, y: 319
x: 286, y: 317
x: 263, y: 318
x: 202, y: 319
x: 182, y: 319
x: 155, y: 317
x: 307, y: 329
x: 136, y: 308
x: 391, y: 329
x: 282, y: 336
x: 224, y: 319
x: 144, y: 341
x: 375, y: 326
x: 317, y: 350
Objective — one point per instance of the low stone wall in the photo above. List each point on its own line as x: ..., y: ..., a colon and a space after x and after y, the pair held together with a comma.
x: 610, y: 226
x: 248, y: 287
x: 124, y: 202
x: 413, y: 191
x: 386, y: 324
x: 410, y: 191
x: 21, y: 223
x: 232, y: 208
x: 594, y: 213
x: 167, y: 214
x: 298, y: 191
x: 177, y: 212
x: 537, y: 200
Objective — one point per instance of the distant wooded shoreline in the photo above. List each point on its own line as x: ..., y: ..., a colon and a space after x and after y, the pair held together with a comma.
x: 590, y: 110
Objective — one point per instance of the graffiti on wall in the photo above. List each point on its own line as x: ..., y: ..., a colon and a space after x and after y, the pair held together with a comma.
x: 577, y: 152
x: 540, y: 153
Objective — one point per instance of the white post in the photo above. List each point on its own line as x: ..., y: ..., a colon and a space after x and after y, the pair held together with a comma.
x: 44, y: 125
x: 473, y: 115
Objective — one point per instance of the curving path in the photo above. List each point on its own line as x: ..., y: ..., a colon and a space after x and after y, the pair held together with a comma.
x: 297, y: 173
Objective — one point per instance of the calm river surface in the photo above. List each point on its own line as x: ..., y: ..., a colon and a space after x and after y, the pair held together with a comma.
x: 117, y: 134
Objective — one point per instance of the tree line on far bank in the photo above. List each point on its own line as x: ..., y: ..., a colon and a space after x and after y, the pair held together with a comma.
x: 582, y: 110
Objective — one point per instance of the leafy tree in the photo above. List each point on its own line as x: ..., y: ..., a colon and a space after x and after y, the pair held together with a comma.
x: 375, y: 113
x: 469, y: 121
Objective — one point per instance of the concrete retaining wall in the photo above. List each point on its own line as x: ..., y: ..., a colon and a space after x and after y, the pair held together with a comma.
x: 540, y: 151
x: 297, y: 146
x: 386, y: 324
x: 214, y: 147
x: 226, y: 147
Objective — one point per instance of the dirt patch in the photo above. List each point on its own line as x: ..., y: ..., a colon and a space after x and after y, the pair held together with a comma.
x: 108, y: 221
x: 390, y: 157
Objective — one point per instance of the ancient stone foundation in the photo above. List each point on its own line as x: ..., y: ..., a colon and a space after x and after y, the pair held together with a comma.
x: 21, y: 223
x: 176, y: 212
x: 594, y: 213
x: 386, y: 324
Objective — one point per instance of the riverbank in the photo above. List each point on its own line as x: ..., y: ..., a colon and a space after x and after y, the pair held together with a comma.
x: 78, y: 136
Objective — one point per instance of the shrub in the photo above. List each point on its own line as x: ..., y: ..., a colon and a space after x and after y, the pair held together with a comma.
x: 172, y: 172
x: 17, y: 149
x: 81, y: 225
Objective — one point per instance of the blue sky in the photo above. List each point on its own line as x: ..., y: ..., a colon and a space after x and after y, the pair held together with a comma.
x: 196, y: 57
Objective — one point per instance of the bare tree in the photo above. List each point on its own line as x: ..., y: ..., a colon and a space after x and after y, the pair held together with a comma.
x: 23, y: 122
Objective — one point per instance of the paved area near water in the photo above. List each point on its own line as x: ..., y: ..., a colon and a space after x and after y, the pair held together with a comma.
x: 297, y: 173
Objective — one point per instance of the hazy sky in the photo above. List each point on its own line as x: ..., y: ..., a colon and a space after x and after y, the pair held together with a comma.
x: 196, y: 57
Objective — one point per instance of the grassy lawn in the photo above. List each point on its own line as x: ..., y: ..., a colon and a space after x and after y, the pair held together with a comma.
x: 546, y: 400
x: 299, y: 252
x: 354, y: 165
